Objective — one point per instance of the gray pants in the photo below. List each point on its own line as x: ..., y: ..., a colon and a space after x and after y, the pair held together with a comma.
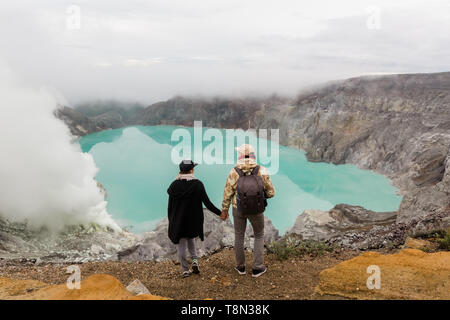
x: 181, y: 249
x: 240, y: 224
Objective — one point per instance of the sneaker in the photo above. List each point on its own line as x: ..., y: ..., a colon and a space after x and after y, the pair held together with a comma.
x: 186, y: 274
x: 195, y: 269
x: 258, y: 272
x: 240, y: 270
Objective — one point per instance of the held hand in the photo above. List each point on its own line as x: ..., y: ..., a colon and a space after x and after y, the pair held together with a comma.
x: 224, y: 215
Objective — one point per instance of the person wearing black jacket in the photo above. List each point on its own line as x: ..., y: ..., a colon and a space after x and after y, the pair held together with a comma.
x: 185, y: 213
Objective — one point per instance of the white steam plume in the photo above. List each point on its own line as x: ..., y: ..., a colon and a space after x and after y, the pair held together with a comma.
x: 45, y: 179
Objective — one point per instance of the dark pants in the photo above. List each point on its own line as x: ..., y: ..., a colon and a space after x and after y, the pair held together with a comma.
x: 240, y: 224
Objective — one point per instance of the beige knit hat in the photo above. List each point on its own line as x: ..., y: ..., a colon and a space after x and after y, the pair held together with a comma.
x: 245, y: 149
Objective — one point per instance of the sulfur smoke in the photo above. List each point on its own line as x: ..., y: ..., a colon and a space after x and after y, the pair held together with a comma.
x: 45, y: 179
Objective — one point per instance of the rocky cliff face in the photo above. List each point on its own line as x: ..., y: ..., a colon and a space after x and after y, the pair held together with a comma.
x: 397, y: 125
x: 78, y: 123
x: 214, y: 112
x: 81, y: 125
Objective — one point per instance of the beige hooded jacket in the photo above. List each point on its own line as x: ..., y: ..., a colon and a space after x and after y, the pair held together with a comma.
x: 246, y: 165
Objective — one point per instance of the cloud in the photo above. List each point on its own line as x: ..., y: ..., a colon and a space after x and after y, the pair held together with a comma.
x: 218, y: 47
x: 45, y: 178
x: 141, y: 62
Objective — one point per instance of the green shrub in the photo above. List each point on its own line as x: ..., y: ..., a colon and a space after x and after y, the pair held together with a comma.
x: 283, y: 248
x: 293, y: 246
x: 435, y: 235
x: 427, y: 249
x: 440, y: 240
x: 444, y: 242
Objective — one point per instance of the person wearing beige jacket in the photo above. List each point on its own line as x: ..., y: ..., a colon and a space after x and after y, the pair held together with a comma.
x: 246, y: 163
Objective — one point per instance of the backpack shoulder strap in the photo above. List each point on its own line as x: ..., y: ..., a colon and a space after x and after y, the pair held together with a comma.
x: 239, y: 171
x: 255, y: 171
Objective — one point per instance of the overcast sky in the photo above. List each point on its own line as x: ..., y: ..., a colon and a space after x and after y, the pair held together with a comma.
x: 150, y: 50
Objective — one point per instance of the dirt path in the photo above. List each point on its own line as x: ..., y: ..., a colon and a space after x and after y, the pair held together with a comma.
x: 291, y: 279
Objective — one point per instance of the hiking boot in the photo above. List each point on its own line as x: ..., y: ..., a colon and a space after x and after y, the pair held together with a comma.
x: 186, y: 273
x: 195, y: 269
x: 240, y: 270
x: 258, y: 272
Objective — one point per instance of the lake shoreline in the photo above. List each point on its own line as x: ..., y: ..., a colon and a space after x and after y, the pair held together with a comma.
x: 300, y: 185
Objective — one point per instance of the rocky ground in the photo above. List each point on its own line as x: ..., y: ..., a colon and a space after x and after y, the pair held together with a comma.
x: 342, y: 274
x: 94, y: 287
x: 408, y: 274
x: 294, y: 279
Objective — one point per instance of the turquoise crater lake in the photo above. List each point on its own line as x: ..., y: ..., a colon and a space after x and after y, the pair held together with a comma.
x: 136, y: 169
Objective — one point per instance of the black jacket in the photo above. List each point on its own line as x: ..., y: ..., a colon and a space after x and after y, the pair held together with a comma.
x: 185, y: 210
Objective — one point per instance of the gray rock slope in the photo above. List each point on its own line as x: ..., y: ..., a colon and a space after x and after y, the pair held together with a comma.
x: 396, y: 125
x: 74, y: 244
x: 357, y: 228
x: 325, y: 225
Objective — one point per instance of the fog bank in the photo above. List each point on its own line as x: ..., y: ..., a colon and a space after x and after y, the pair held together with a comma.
x: 45, y: 179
